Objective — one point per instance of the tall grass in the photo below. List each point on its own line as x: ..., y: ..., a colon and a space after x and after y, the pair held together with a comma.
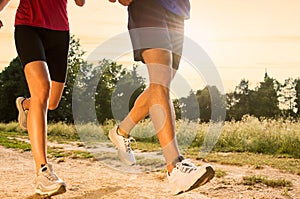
x: 261, y: 136
x: 267, y: 136
x: 62, y: 131
x: 10, y: 127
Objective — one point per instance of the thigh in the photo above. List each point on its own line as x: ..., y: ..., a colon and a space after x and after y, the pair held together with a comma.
x: 176, y: 32
x: 29, y: 45
x: 32, y: 56
x: 56, y: 44
x: 147, y: 24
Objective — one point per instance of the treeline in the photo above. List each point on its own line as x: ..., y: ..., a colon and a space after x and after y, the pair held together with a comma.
x: 106, y: 90
x: 270, y: 99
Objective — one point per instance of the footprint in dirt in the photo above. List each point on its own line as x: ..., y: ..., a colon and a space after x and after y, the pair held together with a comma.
x: 37, y: 196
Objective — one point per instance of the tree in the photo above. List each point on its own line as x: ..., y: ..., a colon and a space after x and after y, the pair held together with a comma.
x: 128, y: 88
x: 211, y: 104
x: 177, y: 108
x: 204, y: 101
x: 239, y: 102
x: 265, y: 100
x: 105, y: 91
x: 111, y: 72
x: 260, y: 102
x: 189, y: 107
x: 12, y: 85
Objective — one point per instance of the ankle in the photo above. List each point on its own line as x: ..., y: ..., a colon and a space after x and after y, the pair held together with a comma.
x: 25, y: 104
x: 40, y: 166
x: 170, y: 168
x: 176, y: 160
x: 172, y: 165
x: 122, y: 133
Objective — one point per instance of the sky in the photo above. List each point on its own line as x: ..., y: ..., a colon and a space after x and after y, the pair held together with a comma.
x: 243, y: 39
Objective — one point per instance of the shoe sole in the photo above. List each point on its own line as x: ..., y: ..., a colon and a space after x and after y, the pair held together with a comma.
x: 208, y: 175
x: 205, y: 178
x: 62, y: 189
x: 20, y: 108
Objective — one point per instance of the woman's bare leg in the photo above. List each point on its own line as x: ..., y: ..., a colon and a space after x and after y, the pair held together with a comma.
x: 44, y: 95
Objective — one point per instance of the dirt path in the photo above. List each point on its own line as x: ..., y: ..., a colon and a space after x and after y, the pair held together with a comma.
x: 92, y: 180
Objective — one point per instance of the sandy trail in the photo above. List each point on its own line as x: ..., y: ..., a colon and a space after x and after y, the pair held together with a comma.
x: 90, y: 179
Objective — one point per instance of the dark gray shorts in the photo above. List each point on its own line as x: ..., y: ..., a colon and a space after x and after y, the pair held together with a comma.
x: 40, y: 44
x: 152, y: 26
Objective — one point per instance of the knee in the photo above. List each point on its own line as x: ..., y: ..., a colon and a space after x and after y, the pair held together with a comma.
x: 43, y: 93
x: 158, y: 94
x: 158, y: 89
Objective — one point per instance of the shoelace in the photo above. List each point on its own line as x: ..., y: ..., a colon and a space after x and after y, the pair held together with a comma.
x: 50, y: 175
x: 186, y: 166
x: 127, y: 143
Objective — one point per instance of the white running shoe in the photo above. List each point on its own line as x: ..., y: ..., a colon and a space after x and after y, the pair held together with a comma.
x: 123, y: 144
x: 47, y: 182
x: 186, y: 176
x: 22, y: 117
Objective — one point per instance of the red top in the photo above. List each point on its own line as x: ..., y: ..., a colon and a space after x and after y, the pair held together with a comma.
x: 50, y: 14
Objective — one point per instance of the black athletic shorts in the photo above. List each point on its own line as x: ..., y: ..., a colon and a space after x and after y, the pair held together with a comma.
x: 152, y: 26
x: 40, y: 44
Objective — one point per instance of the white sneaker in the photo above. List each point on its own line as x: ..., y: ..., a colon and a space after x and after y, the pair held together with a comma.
x: 47, y: 182
x: 123, y: 144
x: 22, y: 117
x: 186, y: 176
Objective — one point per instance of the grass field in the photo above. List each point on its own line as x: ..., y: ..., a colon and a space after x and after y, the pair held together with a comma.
x: 259, y: 143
